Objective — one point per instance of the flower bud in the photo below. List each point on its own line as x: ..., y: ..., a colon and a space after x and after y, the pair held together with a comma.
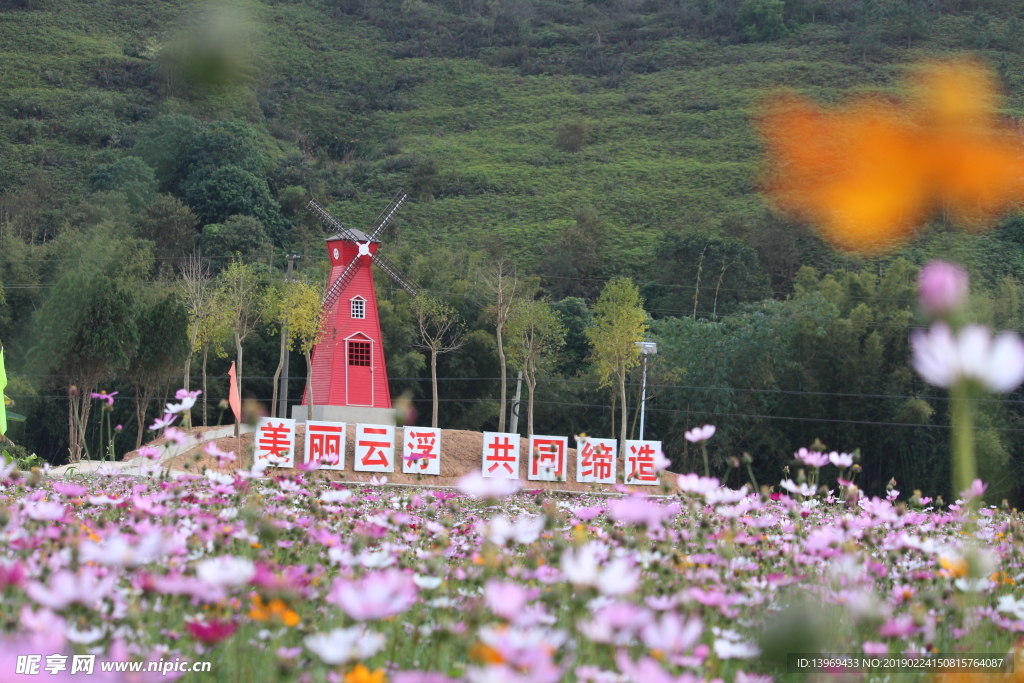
x: 942, y: 287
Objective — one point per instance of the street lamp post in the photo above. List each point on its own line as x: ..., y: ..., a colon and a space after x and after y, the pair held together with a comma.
x: 646, y: 349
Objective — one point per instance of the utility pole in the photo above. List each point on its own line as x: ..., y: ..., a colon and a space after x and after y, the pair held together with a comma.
x: 646, y: 349
x: 282, y: 401
x: 514, y: 425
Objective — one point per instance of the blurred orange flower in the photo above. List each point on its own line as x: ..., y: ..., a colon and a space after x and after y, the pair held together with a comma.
x: 872, y: 171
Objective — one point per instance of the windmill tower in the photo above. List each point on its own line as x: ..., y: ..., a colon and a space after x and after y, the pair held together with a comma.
x: 350, y: 380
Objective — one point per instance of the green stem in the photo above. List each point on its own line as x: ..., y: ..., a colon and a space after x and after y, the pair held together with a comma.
x: 704, y: 452
x: 964, y: 468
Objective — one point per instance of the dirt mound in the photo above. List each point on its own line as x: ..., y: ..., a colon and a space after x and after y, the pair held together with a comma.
x: 461, y: 452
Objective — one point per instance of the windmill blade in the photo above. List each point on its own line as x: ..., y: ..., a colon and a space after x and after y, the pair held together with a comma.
x: 388, y: 214
x: 329, y: 221
x: 335, y: 290
x: 397, y: 275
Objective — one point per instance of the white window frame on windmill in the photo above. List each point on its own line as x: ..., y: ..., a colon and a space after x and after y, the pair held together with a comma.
x: 357, y: 308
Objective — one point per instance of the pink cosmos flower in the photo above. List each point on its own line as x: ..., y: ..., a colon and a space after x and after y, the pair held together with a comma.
x: 149, y: 453
x: 874, y: 649
x: 378, y: 595
x: 977, y: 490
x: 507, y: 598
x: 635, y: 510
x: 693, y: 483
x: 475, y: 484
x: 378, y: 481
x: 223, y: 457
x: 187, y: 398
x: 698, y: 434
x: 162, y: 422
x: 811, y: 458
x: 648, y: 670
x: 669, y: 633
x: 104, y: 396
x: 527, y: 656
x: 942, y: 287
x: 177, y: 436
x: 86, y: 587
x: 943, y: 359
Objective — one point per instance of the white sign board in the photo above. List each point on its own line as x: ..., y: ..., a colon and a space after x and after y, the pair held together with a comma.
x: 374, y: 448
x: 547, y: 461
x: 595, y: 460
x: 275, y: 441
x: 501, y: 455
x: 421, y: 450
x: 325, y: 445
x: 640, y: 462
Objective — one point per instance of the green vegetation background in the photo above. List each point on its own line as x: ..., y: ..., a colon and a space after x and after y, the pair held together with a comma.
x: 582, y: 140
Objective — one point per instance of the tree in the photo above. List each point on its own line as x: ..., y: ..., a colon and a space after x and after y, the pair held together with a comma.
x: 574, y: 263
x: 303, y: 313
x: 229, y: 190
x: 912, y: 18
x: 440, y: 331
x: 619, y: 323
x: 867, y: 33
x: 763, y: 20
x: 242, y: 236
x: 575, y: 317
x: 163, y: 346
x: 199, y: 293
x: 86, y: 331
x: 506, y: 289
x: 243, y: 301
x: 534, y: 332
x: 170, y: 225
x: 131, y: 176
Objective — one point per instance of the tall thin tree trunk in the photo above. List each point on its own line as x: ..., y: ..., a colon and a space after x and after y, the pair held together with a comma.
x: 238, y: 380
x: 623, y: 410
x: 433, y: 385
x: 74, y: 455
x: 309, y: 384
x: 612, y: 420
x: 277, y: 373
x: 531, y: 385
x: 499, y: 329
x: 206, y: 352
x: 140, y: 414
x: 185, y: 380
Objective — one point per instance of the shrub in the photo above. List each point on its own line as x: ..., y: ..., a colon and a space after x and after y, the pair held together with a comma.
x: 571, y: 136
x: 762, y: 20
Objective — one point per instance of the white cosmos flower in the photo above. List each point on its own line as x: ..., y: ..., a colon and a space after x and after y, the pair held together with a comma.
x: 943, y: 359
x: 583, y: 567
x: 226, y: 571
x: 1012, y: 606
x: 345, y: 644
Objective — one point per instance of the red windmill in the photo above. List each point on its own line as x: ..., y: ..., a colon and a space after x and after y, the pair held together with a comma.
x: 348, y: 365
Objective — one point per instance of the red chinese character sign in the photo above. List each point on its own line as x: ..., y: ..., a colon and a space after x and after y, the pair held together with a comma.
x: 374, y: 448
x: 275, y: 441
x: 325, y: 445
x: 421, y: 451
x: 641, y: 457
x: 547, y: 458
x: 595, y: 460
x: 501, y: 455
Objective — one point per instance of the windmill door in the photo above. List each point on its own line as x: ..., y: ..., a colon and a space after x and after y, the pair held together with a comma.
x: 359, y: 377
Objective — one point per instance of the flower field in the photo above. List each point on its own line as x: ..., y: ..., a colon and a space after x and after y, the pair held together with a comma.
x: 290, y: 578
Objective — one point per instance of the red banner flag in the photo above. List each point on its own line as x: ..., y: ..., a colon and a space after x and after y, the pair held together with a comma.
x: 234, y: 398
